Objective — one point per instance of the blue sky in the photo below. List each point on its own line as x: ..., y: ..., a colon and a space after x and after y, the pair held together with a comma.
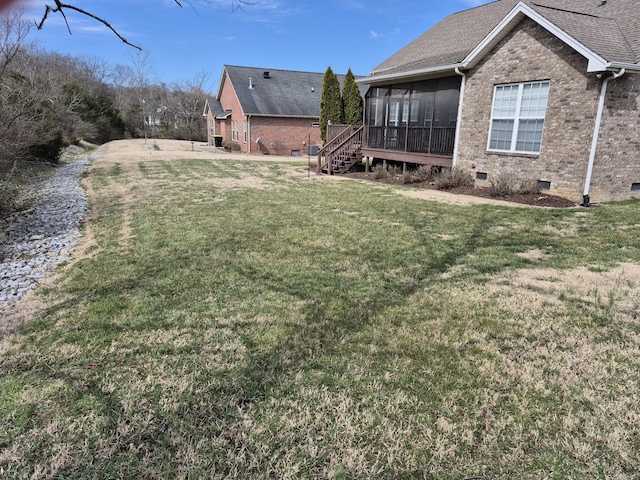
x: 306, y: 35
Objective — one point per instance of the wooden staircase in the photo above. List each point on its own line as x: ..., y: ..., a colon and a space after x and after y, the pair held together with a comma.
x: 342, y: 152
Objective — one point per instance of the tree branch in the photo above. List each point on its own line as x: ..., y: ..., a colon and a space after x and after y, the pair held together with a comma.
x: 60, y: 7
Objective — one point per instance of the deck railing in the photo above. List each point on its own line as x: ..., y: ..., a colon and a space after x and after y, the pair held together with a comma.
x: 430, y: 140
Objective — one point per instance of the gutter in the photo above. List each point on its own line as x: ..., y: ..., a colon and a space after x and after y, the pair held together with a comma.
x: 596, y: 133
x: 630, y: 67
x: 459, y: 117
x: 282, y: 116
x: 374, y: 79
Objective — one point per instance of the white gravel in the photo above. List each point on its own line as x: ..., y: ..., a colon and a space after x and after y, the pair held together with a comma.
x: 39, y: 239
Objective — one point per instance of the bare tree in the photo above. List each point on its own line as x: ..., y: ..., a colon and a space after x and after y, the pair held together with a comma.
x: 62, y: 8
x: 21, y: 93
x: 186, y: 104
x: 140, y: 83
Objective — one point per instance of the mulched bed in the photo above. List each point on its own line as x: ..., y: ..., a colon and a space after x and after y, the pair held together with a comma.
x: 535, y: 199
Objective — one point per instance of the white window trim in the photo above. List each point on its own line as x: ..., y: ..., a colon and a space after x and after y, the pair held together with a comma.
x: 244, y: 131
x: 394, y: 113
x: 516, y: 119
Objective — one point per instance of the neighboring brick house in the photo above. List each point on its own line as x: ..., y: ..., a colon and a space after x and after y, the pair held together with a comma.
x: 267, y: 111
x: 542, y: 90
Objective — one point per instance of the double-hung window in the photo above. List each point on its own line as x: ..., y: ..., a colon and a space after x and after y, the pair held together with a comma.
x: 517, y: 117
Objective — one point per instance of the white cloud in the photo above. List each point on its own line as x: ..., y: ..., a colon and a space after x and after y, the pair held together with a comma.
x: 390, y: 33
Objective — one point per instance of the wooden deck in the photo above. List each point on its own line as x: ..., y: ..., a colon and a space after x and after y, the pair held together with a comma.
x: 408, y: 157
x: 347, y: 145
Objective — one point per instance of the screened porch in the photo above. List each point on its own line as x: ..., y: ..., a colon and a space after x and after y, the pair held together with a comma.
x: 413, y: 122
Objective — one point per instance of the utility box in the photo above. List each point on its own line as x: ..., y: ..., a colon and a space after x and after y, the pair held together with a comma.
x: 217, y: 140
x: 314, y: 149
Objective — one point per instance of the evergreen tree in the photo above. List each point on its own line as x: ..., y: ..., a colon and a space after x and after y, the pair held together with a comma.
x: 352, y: 100
x: 330, y: 102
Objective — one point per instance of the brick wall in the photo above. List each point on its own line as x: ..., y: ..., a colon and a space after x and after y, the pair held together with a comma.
x: 282, y: 135
x: 229, y: 101
x: 530, y: 53
x: 617, y: 163
x: 278, y: 135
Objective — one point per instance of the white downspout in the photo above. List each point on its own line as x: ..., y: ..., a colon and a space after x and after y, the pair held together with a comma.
x: 596, y: 133
x: 459, y: 117
x: 249, y: 133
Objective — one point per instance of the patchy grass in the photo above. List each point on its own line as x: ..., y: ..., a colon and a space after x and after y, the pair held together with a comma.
x: 235, y: 322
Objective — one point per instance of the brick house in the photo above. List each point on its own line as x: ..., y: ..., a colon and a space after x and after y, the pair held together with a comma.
x: 266, y: 111
x: 542, y: 90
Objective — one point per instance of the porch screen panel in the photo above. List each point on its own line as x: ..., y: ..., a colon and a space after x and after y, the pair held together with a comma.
x: 421, y: 116
x: 398, y: 117
x: 377, y: 99
x: 445, y: 116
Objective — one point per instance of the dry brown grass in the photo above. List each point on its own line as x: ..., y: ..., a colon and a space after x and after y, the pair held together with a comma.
x: 230, y: 321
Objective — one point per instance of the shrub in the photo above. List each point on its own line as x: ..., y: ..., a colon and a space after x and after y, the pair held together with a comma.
x: 529, y: 186
x: 424, y: 173
x: 501, y: 185
x: 394, y: 170
x: 504, y: 185
x: 378, y: 172
x: 49, y: 148
x: 454, y: 177
x: 231, y: 147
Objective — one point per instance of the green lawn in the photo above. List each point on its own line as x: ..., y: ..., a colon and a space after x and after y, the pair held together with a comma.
x: 232, y: 321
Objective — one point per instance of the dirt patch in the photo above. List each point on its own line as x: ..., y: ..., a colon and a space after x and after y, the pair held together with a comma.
x: 534, y: 255
x: 478, y: 194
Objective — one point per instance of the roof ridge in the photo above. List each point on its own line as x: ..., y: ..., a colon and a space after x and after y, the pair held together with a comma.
x: 472, y: 8
x: 567, y: 11
x: 273, y: 69
x: 625, y: 38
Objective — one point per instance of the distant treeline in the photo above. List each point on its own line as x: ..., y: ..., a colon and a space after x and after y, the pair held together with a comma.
x: 49, y: 101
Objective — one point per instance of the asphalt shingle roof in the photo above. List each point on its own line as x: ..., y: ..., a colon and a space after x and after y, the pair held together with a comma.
x: 610, y: 30
x: 285, y: 93
x: 216, y: 108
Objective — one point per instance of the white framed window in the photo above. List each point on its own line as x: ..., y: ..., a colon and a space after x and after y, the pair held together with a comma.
x: 415, y: 111
x: 517, y: 117
x: 394, y: 113
x: 244, y: 131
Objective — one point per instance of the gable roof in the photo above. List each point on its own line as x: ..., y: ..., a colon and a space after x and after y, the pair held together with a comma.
x: 275, y: 93
x: 605, y: 33
x: 215, y: 107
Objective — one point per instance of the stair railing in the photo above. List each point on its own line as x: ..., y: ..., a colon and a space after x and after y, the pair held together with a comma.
x: 342, y: 147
